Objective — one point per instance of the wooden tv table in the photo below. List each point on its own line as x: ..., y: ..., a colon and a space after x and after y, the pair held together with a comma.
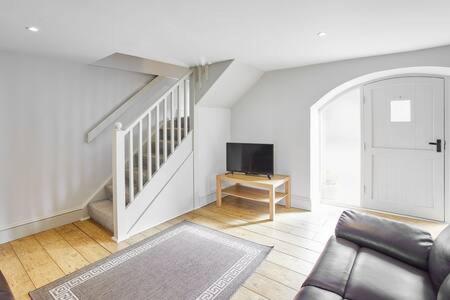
x: 255, y: 188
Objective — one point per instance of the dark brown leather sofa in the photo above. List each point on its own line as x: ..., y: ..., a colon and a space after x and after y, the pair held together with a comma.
x: 5, y: 292
x: 371, y: 258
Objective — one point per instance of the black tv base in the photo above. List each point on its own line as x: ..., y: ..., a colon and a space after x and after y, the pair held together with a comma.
x: 255, y: 174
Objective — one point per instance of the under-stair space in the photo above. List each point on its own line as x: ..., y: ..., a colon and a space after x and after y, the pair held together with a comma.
x: 164, y: 126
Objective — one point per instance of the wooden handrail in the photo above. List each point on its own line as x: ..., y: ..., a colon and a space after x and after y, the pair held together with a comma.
x: 161, y: 99
x: 119, y: 111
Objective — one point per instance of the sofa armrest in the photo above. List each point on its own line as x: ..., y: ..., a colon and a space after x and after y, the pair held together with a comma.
x: 444, y: 290
x: 406, y: 243
x: 5, y: 291
x: 315, y: 293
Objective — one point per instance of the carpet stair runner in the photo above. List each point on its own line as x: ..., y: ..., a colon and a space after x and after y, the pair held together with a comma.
x: 102, y: 211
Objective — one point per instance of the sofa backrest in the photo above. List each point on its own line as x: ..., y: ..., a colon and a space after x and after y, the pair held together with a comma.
x: 401, y: 241
x: 439, y: 261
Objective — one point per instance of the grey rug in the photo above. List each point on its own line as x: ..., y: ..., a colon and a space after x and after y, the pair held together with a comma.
x: 186, y: 261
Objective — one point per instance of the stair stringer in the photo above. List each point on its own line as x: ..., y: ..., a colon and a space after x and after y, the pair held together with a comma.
x: 167, y: 195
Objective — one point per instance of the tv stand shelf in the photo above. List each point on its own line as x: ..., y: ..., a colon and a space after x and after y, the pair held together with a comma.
x: 255, y: 188
x: 250, y: 193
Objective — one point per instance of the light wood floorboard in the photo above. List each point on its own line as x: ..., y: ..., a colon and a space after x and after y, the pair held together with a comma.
x: 89, y: 248
x: 297, y: 238
x: 101, y: 235
x: 14, y: 272
x: 244, y: 293
x: 269, y: 288
x: 65, y: 256
x: 38, y: 264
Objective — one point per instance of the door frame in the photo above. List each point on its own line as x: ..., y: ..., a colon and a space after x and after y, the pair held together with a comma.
x: 446, y: 135
x: 322, y: 148
x: 423, y: 71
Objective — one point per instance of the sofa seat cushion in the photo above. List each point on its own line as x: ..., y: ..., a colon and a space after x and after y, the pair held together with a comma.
x: 332, y: 269
x: 377, y: 276
x: 315, y: 293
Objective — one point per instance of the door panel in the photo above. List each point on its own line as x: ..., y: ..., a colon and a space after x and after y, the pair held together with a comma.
x: 402, y: 172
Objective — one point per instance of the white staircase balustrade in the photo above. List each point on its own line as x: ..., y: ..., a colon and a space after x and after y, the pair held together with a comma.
x: 139, y: 151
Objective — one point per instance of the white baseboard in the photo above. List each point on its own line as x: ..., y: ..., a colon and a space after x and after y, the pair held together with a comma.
x: 19, y: 231
x: 22, y: 230
x: 16, y: 231
x: 299, y: 202
x: 87, y: 217
x: 204, y: 200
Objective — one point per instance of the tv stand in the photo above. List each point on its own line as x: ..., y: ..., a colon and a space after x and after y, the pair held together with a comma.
x: 255, y: 188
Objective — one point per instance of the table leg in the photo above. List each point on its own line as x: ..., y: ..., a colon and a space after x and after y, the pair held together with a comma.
x: 218, y: 191
x: 271, y: 204
x: 287, y: 190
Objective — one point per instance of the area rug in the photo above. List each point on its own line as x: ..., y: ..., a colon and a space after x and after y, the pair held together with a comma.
x: 185, y: 261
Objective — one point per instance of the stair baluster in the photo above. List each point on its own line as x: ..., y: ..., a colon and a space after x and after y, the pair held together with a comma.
x: 140, y: 157
x: 165, y: 129
x: 178, y: 113
x: 149, y: 147
x: 119, y: 201
x: 135, y: 167
x: 131, y: 166
x: 157, y: 147
x: 172, y: 123
x: 186, y: 107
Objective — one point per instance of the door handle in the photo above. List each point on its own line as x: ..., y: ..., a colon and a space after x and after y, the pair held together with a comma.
x: 438, y: 145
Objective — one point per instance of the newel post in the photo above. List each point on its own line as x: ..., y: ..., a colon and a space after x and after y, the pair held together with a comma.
x: 118, y: 165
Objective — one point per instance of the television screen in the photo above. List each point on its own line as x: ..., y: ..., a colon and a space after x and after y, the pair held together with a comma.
x: 250, y: 158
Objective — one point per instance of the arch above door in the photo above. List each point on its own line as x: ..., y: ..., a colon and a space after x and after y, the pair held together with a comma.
x: 359, y: 81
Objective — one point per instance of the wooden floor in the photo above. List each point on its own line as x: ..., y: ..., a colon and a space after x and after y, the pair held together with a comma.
x: 297, y: 236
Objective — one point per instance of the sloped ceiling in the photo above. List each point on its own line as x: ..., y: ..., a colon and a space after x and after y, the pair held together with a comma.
x: 206, y: 78
x: 267, y: 35
x: 229, y: 81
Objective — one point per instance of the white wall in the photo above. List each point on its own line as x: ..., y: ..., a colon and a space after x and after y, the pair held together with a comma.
x: 340, y: 164
x: 277, y: 109
x: 46, y: 108
x: 227, y: 82
x: 212, y: 132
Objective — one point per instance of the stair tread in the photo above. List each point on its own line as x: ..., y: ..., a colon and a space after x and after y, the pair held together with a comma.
x: 102, y: 212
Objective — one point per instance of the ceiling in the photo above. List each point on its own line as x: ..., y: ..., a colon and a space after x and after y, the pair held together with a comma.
x: 267, y: 34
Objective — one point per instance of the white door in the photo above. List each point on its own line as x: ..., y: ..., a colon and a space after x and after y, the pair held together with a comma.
x: 403, y: 173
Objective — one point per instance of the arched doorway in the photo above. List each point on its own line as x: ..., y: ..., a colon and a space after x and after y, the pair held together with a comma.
x: 340, y: 150
x: 356, y: 83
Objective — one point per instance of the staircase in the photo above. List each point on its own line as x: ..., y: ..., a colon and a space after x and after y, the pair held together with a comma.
x: 164, y: 126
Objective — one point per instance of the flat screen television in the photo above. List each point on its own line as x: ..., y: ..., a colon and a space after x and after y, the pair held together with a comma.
x: 250, y: 158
